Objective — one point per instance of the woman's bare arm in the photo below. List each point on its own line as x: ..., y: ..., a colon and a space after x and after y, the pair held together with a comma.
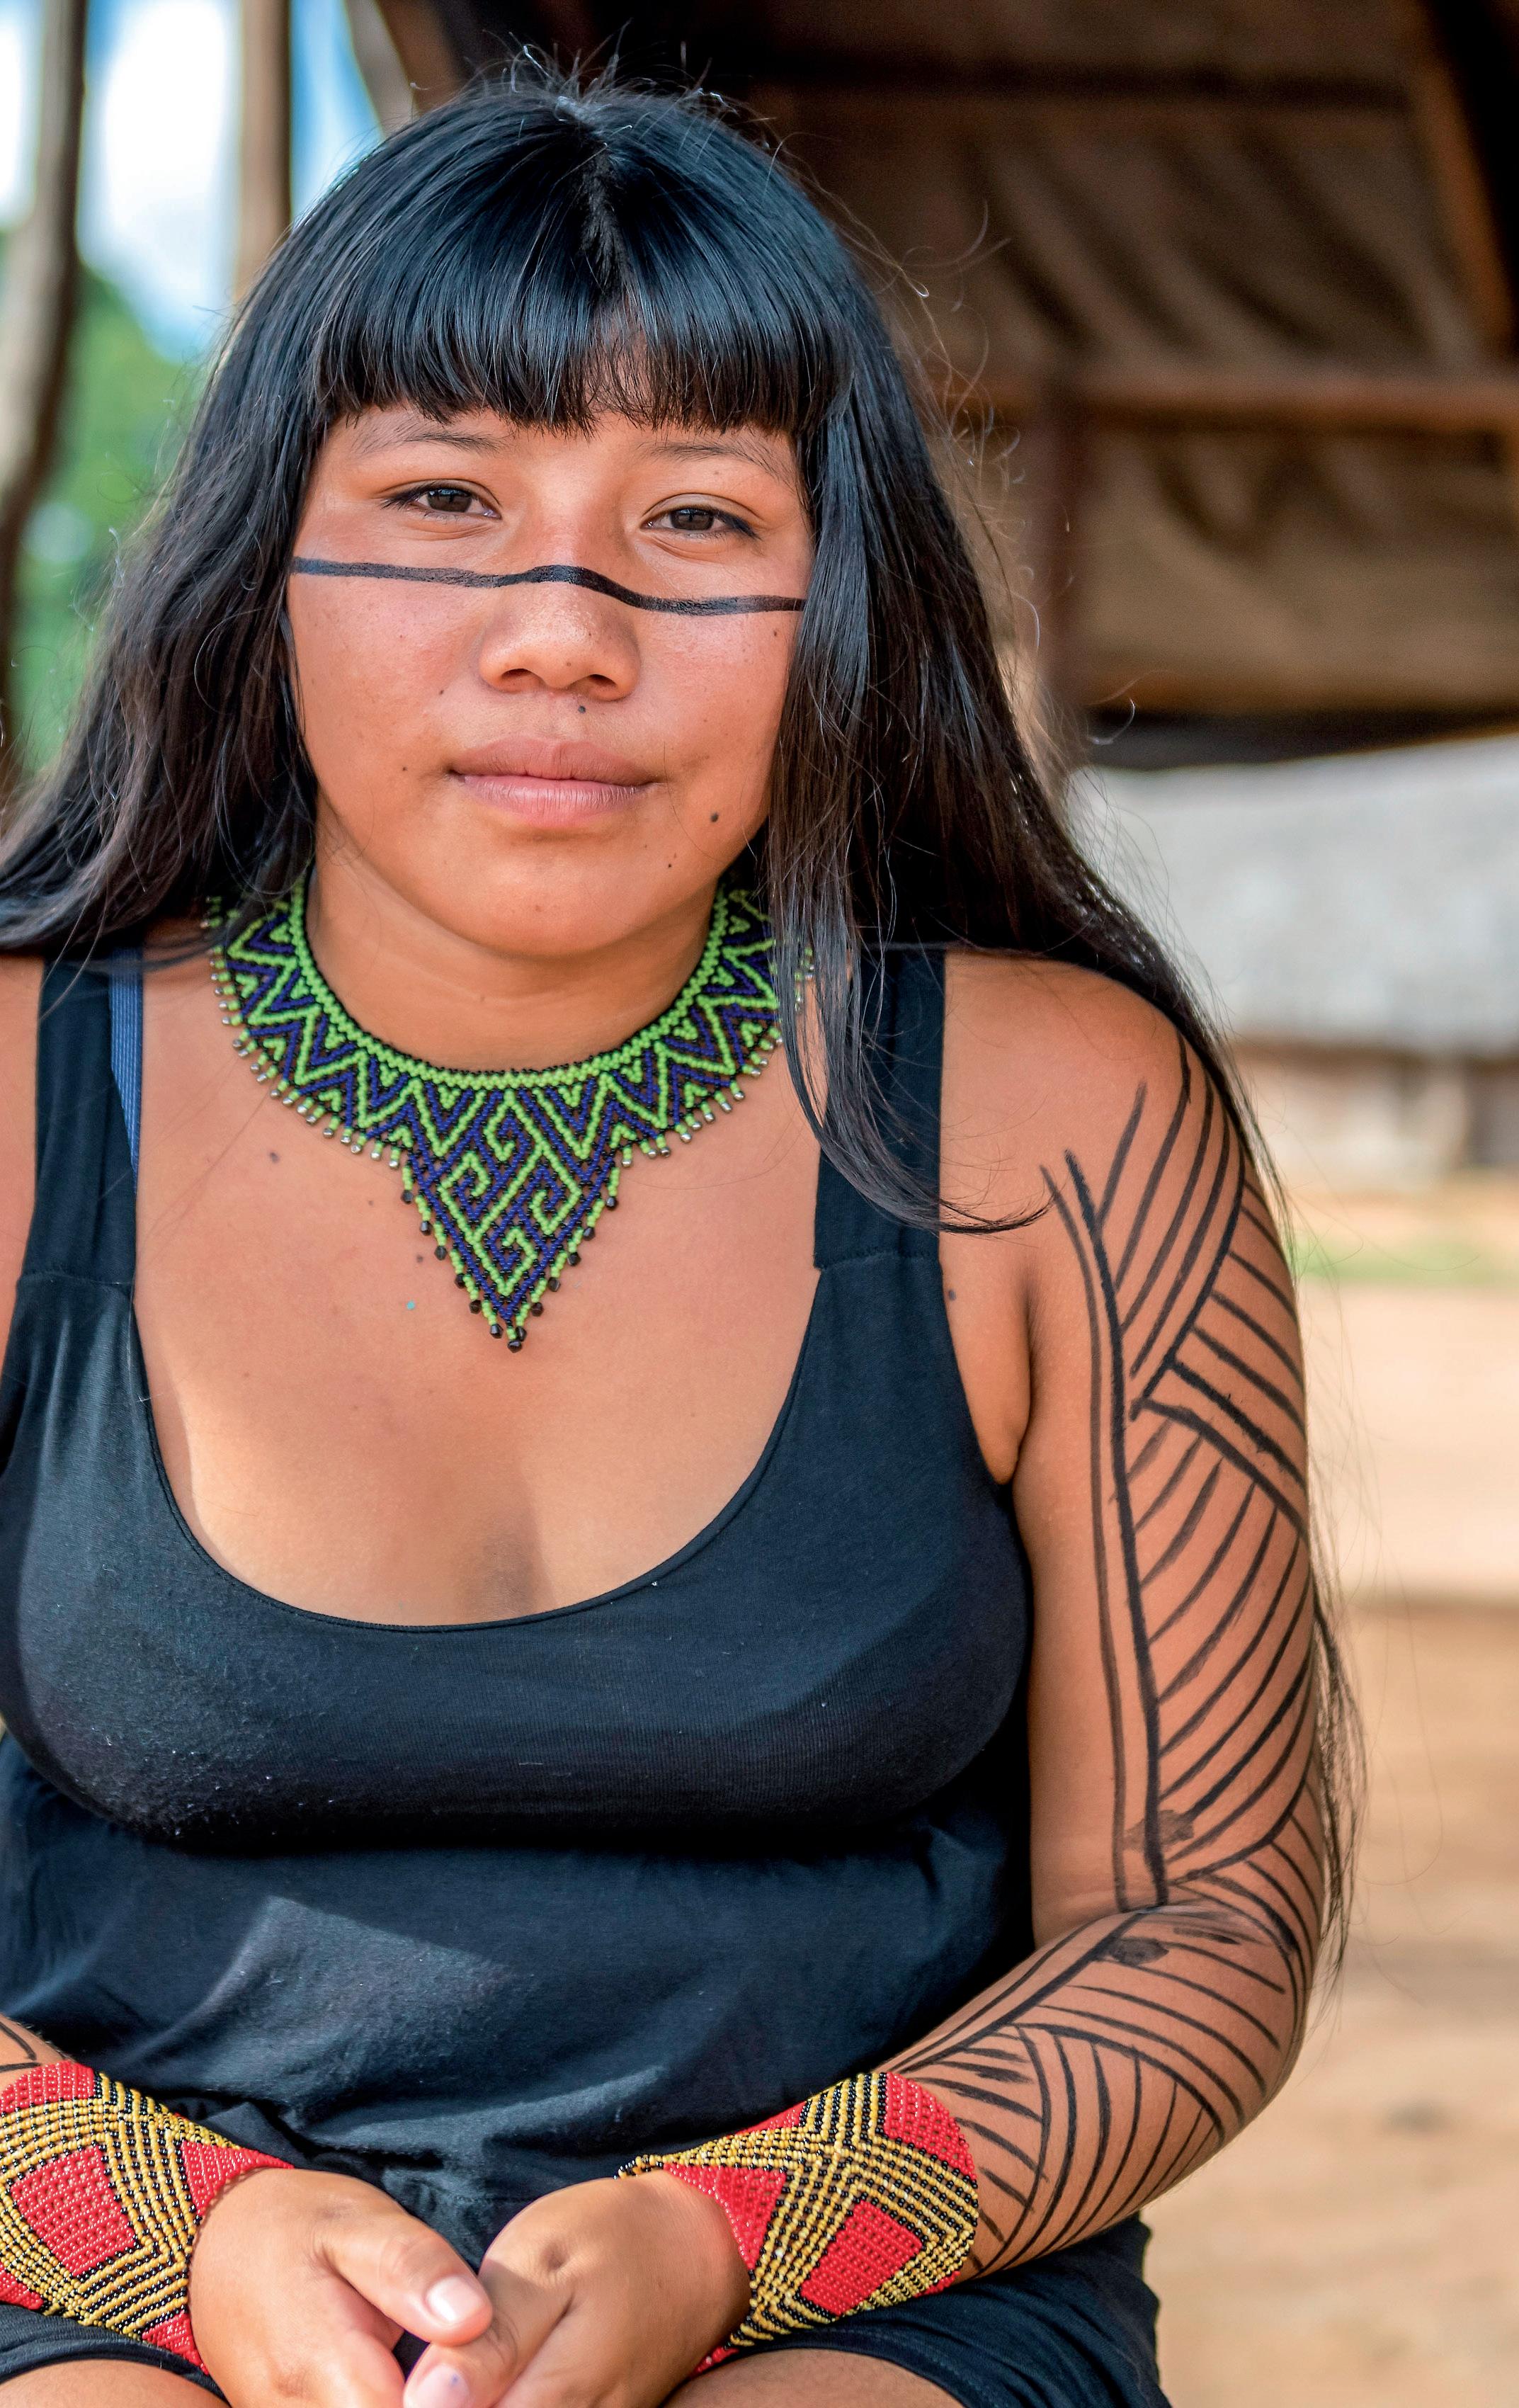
x: 20, y: 982
x: 20, y: 2050
x: 1160, y: 1490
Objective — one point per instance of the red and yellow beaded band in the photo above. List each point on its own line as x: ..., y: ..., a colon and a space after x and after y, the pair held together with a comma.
x: 102, y: 2194
x: 863, y: 2197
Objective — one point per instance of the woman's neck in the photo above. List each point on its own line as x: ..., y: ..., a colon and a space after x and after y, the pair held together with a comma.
x: 431, y: 992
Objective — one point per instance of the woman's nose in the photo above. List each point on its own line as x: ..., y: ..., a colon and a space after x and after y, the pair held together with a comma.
x: 561, y: 637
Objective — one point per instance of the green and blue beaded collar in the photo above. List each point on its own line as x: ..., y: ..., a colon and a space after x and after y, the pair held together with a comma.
x: 510, y: 1170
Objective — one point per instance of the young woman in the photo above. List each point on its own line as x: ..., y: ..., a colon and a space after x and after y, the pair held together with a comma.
x: 488, y: 1709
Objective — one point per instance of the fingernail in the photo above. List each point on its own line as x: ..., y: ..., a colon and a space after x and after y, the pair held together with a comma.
x: 442, y: 2386
x: 451, y: 2301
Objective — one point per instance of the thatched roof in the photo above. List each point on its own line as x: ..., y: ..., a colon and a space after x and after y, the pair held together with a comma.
x: 1237, y: 272
x: 1365, y: 902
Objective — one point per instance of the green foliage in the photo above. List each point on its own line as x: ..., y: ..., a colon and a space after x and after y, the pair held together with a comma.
x: 124, y: 413
x: 1429, y: 1258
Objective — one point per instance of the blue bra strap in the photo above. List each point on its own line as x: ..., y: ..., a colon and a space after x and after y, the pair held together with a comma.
x: 124, y: 971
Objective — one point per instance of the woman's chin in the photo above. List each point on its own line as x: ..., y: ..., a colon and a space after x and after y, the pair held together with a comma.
x: 549, y: 893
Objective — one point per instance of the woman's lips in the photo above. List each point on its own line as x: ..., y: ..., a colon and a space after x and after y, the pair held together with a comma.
x: 550, y: 802
x: 551, y: 784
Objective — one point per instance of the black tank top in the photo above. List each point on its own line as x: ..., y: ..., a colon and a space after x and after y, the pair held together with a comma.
x: 480, y: 1909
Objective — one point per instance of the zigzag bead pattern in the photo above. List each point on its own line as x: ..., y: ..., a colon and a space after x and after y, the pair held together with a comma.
x: 863, y: 2197
x: 510, y: 1170
x: 102, y: 2193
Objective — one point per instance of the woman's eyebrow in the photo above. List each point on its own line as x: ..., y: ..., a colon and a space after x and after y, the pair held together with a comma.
x: 732, y: 447
x: 383, y: 436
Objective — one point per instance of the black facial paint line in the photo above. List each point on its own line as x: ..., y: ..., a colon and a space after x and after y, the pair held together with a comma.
x: 719, y: 606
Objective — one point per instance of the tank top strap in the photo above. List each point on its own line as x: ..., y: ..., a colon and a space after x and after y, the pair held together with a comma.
x: 905, y: 1009
x: 87, y: 1108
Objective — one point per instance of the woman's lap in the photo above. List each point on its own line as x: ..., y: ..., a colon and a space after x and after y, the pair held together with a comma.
x: 101, y: 2383
x: 1076, y: 2330
x: 52, y: 2360
x: 813, y: 2382
x: 809, y: 2379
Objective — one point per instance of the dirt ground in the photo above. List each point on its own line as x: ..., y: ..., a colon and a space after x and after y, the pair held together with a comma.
x: 1359, y: 2246
x: 1413, y: 1386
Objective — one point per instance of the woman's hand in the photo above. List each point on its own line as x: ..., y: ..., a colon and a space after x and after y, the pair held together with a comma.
x: 301, y: 2285
x: 606, y: 2295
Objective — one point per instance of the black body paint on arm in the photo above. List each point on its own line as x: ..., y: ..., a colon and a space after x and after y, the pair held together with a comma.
x: 1125, y: 2051
x: 717, y: 606
x: 19, y: 2052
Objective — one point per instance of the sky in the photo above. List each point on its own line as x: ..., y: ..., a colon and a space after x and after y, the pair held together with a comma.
x: 156, y: 204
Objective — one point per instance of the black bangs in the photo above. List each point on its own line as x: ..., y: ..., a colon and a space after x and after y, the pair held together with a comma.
x: 550, y: 256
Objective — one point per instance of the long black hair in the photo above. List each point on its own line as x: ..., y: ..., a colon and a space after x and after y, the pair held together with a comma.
x: 547, y: 250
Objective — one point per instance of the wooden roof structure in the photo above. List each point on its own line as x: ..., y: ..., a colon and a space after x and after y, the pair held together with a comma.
x: 1232, y: 282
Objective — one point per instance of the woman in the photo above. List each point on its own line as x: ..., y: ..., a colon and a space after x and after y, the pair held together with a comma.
x: 556, y: 650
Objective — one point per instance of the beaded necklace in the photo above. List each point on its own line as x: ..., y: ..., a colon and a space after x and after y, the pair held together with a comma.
x: 510, y: 1170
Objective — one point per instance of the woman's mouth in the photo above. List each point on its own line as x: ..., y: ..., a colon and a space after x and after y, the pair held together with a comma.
x: 551, y: 784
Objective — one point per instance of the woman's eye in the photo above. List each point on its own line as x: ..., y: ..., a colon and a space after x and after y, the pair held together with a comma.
x: 448, y: 501
x: 700, y: 518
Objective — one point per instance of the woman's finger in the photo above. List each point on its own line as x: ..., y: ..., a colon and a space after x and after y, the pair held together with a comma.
x: 317, y: 2351
x: 406, y: 2272
x: 361, y: 2373
x: 575, y: 2368
x: 523, y: 2315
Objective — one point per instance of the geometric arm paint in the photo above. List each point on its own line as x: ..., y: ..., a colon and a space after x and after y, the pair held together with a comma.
x: 1169, y: 2003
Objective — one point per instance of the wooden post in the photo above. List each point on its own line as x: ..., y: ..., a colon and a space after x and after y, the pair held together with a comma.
x: 1460, y: 188
x: 430, y: 60
x: 35, y: 322
x: 378, y: 62
x: 1054, y: 445
x: 1465, y: 205
x: 263, y: 155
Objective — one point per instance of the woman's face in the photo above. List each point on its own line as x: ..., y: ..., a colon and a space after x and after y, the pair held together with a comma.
x: 541, y: 768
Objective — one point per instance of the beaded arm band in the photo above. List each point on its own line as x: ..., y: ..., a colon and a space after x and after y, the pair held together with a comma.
x: 102, y: 2194
x: 863, y: 2197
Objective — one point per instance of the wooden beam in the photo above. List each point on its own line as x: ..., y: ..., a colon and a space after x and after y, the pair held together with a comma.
x: 998, y: 116
x: 37, y: 320
x: 379, y: 62
x: 1307, y: 401
x: 430, y: 61
x: 264, y: 164
x: 1465, y: 204
x: 840, y: 77
x: 1461, y: 193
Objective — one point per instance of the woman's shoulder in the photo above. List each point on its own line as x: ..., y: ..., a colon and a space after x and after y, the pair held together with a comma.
x: 1047, y: 1065
x: 1080, y: 1110
x: 21, y: 979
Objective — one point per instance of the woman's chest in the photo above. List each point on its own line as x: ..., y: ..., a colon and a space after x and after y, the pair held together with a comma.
x: 797, y: 1596
x: 836, y: 1644
x: 341, y: 1432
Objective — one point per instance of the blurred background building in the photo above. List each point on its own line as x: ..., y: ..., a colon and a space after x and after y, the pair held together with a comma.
x: 1221, y: 298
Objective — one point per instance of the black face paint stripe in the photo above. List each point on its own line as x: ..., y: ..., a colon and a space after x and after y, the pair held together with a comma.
x: 719, y: 606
